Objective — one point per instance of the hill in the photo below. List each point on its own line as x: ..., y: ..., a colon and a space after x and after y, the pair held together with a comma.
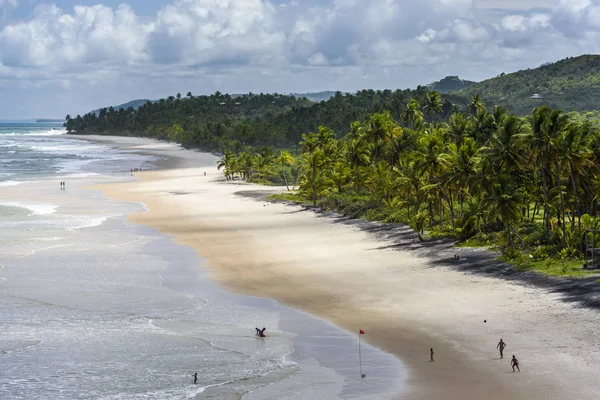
x: 572, y: 84
x: 450, y: 84
x: 135, y: 104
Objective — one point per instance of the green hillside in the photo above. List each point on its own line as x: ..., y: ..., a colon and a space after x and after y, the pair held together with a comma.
x: 572, y: 84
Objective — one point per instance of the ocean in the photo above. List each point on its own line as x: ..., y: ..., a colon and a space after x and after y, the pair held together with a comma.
x: 95, y: 307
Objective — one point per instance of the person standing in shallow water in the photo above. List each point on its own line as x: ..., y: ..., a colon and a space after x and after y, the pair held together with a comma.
x: 515, y: 364
x: 195, y: 377
x: 431, y: 354
x: 501, y: 345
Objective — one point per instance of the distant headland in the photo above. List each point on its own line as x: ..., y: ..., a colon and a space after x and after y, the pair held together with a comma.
x: 47, y: 120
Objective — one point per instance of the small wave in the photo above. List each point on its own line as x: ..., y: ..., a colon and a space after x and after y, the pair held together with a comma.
x: 82, y: 175
x: 10, y: 183
x: 50, y: 132
x: 89, y: 223
x: 36, y: 209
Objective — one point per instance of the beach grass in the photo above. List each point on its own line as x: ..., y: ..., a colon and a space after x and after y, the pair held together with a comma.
x: 288, y: 196
x: 551, y: 266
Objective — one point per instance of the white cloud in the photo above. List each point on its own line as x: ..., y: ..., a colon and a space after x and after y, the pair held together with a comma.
x: 55, y: 41
x: 205, y: 31
x: 246, y: 42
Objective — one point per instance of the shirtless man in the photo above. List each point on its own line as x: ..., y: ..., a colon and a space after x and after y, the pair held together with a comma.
x: 501, y: 345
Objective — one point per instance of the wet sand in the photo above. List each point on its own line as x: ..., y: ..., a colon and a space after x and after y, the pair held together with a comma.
x: 405, y: 302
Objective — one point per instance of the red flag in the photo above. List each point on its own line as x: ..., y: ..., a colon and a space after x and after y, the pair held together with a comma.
x: 362, y: 332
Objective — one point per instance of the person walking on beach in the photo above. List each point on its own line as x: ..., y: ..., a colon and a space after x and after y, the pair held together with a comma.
x: 501, y: 345
x: 515, y: 364
x: 431, y: 354
x: 195, y: 378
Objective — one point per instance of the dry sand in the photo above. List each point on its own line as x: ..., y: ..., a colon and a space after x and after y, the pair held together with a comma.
x: 404, y: 303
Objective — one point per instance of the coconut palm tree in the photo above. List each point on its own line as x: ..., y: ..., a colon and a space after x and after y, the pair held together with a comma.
x: 284, y: 159
x: 476, y: 105
x: 433, y: 103
x: 412, y: 113
x: 227, y: 162
x: 504, y: 199
x: 357, y: 156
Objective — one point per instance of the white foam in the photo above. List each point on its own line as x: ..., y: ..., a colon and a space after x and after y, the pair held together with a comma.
x: 10, y: 183
x: 36, y: 209
x: 82, y: 175
x: 50, y: 132
x: 88, y: 223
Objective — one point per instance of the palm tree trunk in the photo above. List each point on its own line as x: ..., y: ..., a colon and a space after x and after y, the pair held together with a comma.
x: 546, y: 208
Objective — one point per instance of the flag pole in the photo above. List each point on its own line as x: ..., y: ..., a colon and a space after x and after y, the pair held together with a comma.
x: 360, y: 333
x: 359, y: 356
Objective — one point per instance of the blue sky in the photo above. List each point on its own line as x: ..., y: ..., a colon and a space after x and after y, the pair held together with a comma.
x: 73, y: 56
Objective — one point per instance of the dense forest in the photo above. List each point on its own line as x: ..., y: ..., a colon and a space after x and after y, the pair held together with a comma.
x: 526, y: 184
x: 221, y: 121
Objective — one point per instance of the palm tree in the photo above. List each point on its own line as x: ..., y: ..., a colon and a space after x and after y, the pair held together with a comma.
x: 463, y: 168
x: 314, y: 180
x: 284, y: 159
x: 476, y: 105
x: 575, y: 161
x: 504, y: 200
x: 227, y: 163
x: 546, y: 127
x: 457, y: 127
x: 433, y: 103
x: 357, y: 156
x: 505, y: 149
x: 412, y: 114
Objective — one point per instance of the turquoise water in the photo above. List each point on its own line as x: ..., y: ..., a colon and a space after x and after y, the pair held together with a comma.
x: 93, y: 307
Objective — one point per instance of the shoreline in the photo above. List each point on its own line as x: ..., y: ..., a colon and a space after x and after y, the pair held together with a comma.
x: 316, y: 344
x: 404, y: 302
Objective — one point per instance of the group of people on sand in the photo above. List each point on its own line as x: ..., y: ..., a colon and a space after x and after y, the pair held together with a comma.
x: 514, y: 363
x: 62, y: 186
x: 135, y: 170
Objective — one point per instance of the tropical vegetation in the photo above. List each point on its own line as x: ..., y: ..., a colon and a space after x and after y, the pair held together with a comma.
x: 500, y: 169
x: 572, y: 84
x: 528, y: 185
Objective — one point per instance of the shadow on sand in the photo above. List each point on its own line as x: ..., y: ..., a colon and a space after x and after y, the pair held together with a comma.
x: 582, y: 291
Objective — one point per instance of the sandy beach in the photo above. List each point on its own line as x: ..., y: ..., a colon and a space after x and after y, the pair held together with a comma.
x: 404, y: 302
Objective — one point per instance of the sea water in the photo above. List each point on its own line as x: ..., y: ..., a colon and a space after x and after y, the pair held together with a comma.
x: 94, y: 307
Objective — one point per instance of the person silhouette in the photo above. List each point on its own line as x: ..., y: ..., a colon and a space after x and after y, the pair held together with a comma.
x: 501, y: 345
x: 431, y: 353
x: 195, y: 377
x: 515, y: 363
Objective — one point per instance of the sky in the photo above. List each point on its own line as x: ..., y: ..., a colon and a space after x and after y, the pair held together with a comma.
x: 72, y: 56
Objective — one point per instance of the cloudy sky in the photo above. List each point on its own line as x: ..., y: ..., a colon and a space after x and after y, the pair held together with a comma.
x: 72, y: 56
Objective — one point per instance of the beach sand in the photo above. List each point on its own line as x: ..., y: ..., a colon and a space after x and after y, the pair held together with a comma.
x: 403, y: 302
